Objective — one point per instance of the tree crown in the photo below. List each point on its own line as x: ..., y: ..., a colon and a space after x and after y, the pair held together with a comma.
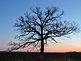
x: 42, y: 25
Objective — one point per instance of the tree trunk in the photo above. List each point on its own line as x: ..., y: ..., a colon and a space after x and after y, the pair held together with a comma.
x: 42, y: 46
x: 42, y: 50
x: 42, y: 41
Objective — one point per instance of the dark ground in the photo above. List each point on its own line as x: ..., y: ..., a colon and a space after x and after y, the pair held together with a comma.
x: 25, y: 56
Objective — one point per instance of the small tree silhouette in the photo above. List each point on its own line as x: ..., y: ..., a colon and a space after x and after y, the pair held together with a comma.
x: 41, y: 26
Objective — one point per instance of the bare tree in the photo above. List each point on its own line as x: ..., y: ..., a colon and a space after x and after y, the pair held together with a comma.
x: 41, y: 26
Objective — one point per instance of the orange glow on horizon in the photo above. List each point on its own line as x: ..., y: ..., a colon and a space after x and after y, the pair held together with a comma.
x: 57, y: 48
x: 63, y: 48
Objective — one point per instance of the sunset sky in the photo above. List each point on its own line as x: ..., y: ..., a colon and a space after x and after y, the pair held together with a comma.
x: 11, y: 10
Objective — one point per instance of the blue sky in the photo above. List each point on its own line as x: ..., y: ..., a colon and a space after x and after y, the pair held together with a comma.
x: 11, y: 10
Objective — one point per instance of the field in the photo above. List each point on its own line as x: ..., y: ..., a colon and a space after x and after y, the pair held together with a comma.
x: 24, y: 56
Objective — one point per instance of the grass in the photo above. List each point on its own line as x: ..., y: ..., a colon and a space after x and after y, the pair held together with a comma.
x: 55, y: 60
x: 51, y: 59
x: 23, y: 56
x: 61, y: 60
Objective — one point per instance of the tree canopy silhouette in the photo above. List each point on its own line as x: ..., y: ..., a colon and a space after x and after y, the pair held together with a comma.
x: 41, y: 26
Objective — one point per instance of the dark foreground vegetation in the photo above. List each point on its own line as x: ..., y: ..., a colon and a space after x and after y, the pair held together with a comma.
x: 24, y: 56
